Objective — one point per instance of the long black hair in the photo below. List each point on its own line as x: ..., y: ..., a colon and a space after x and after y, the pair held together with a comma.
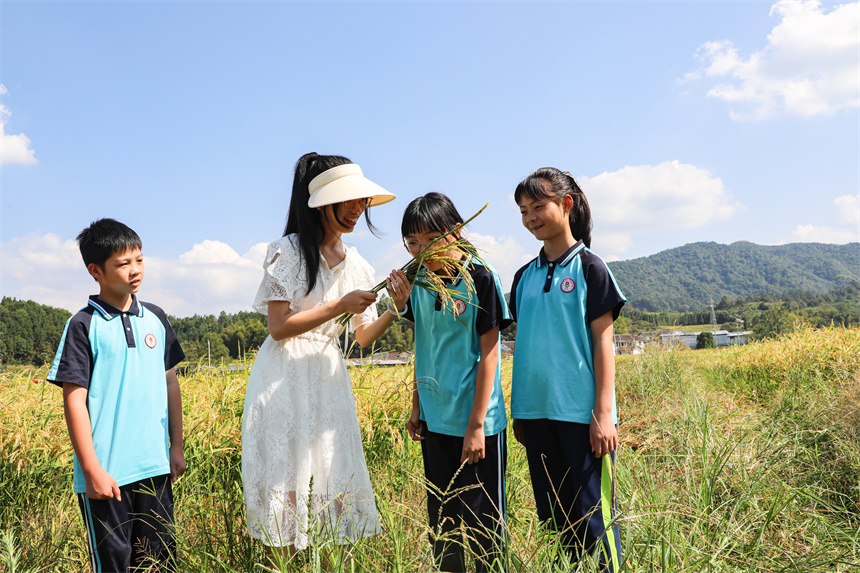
x: 307, y: 222
x: 551, y: 183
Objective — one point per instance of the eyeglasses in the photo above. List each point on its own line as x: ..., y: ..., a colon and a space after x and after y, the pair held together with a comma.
x: 417, y: 246
x: 363, y: 202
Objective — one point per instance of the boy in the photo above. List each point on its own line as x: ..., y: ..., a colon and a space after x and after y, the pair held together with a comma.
x: 123, y: 407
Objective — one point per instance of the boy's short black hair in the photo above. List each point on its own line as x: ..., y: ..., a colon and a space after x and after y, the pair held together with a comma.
x: 105, y: 237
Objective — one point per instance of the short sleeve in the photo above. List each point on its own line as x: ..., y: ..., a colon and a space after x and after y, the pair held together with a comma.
x: 409, y: 314
x: 284, y: 275
x: 603, y: 292
x: 362, y: 274
x: 512, y: 302
x: 74, y: 360
x: 492, y: 311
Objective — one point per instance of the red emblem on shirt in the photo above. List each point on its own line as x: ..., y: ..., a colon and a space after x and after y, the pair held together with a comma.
x: 150, y: 340
x: 459, y: 307
x: 567, y: 285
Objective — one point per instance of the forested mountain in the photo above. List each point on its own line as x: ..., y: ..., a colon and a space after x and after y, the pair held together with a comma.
x: 30, y: 332
x: 686, y: 278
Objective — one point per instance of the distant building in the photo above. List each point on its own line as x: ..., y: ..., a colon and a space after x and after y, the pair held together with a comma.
x: 721, y: 338
x: 382, y: 359
x: 629, y: 344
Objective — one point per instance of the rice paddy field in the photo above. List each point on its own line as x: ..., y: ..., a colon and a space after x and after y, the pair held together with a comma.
x: 731, y: 460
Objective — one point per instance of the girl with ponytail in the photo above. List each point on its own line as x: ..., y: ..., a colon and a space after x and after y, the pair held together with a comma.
x: 563, y: 382
x: 303, y: 467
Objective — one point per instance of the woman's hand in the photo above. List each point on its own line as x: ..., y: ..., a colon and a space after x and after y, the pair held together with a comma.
x: 355, y: 302
x: 399, y: 289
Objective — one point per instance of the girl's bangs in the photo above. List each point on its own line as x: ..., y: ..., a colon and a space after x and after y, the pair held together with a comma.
x: 423, y: 218
x: 534, y: 188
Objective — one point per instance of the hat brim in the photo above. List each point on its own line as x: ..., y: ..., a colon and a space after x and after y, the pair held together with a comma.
x: 348, y: 188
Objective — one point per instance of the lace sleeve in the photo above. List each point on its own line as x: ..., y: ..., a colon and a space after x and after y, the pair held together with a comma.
x: 283, y: 275
x: 363, y: 279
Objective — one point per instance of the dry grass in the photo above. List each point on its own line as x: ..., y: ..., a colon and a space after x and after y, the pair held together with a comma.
x: 731, y: 460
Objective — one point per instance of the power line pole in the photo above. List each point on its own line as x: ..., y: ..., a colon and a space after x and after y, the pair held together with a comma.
x: 713, y: 317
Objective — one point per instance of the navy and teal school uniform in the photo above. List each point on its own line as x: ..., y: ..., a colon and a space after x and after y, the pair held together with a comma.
x: 447, y: 354
x: 120, y: 357
x: 448, y: 350
x: 553, y: 394
x: 554, y: 303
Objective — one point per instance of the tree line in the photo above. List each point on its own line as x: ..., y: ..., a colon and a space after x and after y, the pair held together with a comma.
x: 839, y: 307
x: 30, y: 332
x: 232, y: 336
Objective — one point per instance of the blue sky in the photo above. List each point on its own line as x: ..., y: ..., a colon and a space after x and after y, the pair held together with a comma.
x: 682, y: 121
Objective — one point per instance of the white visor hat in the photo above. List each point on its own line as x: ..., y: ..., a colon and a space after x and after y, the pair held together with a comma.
x: 345, y: 183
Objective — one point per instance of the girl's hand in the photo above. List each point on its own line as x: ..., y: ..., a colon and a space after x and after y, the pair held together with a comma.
x: 518, y: 432
x: 602, y: 434
x: 399, y: 288
x: 473, y: 446
x: 355, y: 302
x: 415, y: 426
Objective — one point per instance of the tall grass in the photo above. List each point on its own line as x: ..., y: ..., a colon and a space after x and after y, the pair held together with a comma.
x: 737, y: 459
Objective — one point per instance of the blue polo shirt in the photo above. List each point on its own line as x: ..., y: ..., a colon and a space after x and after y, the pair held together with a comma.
x: 553, y: 303
x: 448, y: 351
x: 121, y: 359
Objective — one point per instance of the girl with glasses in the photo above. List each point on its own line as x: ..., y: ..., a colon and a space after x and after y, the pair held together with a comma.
x: 458, y: 410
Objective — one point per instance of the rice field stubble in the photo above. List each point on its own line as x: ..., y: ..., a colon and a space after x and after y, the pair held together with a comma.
x: 732, y: 459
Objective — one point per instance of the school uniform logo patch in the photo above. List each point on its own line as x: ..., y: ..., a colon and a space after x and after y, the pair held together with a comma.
x: 150, y: 340
x: 459, y: 307
x: 567, y: 285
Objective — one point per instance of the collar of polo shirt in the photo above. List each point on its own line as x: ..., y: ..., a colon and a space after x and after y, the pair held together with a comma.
x: 563, y: 260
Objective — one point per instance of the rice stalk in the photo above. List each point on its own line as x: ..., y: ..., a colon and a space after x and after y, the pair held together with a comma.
x: 451, y: 266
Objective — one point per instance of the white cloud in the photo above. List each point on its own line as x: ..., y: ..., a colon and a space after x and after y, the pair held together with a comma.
x: 848, y: 207
x: 845, y: 226
x: 611, y: 245
x: 810, y: 65
x: 669, y: 196
x: 46, y: 269
x: 216, y: 252
x: 13, y: 148
x: 813, y: 234
x: 207, y: 279
x: 505, y: 254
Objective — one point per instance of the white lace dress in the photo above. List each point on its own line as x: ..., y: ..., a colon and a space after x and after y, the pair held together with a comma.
x: 303, y: 466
